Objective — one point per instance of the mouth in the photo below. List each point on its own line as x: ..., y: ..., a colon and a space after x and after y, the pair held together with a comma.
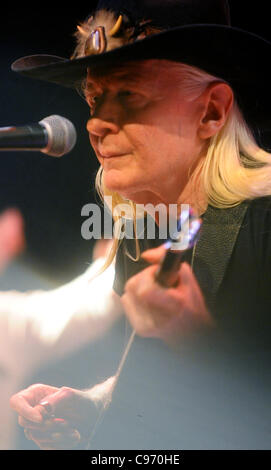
x: 108, y: 155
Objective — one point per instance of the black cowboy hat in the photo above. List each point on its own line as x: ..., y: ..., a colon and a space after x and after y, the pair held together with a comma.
x: 195, y: 32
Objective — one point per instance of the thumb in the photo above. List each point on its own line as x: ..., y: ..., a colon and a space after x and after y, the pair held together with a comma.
x: 154, y: 255
x: 186, y: 274
x: 197, y: 301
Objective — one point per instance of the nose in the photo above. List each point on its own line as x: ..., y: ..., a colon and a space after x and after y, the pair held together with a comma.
x: 106, y: 120
x: 98, y: 127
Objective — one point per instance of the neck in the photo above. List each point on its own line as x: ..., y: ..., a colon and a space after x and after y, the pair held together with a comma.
x: 192, y: 194
x: 195, y: 197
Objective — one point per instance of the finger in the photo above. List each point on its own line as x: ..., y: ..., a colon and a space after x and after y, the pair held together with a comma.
x: 55, y: 437
x: 186, y: 275
x: 188, y: 282
x: 56, y: 403
x: 141, y: 283
x: 19, y: 403
x: 68, y: 403
x: 55, y: 440
x: 34, y: 393
x: 74, y: 406
x: 190, y: 288
x: 46, y: 425
x: 154, y: 255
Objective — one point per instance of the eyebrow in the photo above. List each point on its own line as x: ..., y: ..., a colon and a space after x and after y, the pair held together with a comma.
x: 132, y: 78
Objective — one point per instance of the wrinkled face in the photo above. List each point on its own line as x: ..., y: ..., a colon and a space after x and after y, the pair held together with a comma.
x: 143, y: 131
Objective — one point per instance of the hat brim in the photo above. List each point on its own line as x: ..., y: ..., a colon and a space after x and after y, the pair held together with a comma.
x: 232, y: 54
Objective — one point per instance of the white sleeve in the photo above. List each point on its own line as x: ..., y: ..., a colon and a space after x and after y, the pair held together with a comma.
x: 37, y: 326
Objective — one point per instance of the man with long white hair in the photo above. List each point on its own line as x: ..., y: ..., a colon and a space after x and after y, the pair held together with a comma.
x: 168, y: 84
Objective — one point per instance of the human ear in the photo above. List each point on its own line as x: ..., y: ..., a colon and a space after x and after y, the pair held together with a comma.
x: 217, y: 103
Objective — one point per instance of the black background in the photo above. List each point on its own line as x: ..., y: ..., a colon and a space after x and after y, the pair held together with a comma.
x: 50, y: 192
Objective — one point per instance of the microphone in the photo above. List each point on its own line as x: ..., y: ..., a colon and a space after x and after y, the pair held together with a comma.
x: 53, y: 135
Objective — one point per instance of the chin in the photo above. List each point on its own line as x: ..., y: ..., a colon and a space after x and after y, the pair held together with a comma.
x: 117, y: 181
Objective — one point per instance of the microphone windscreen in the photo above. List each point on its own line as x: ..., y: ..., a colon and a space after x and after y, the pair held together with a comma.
x: 61, y: 135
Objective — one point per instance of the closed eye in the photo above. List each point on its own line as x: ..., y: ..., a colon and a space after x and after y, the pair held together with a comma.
x: 132, y: 99
x: 128, y: 99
